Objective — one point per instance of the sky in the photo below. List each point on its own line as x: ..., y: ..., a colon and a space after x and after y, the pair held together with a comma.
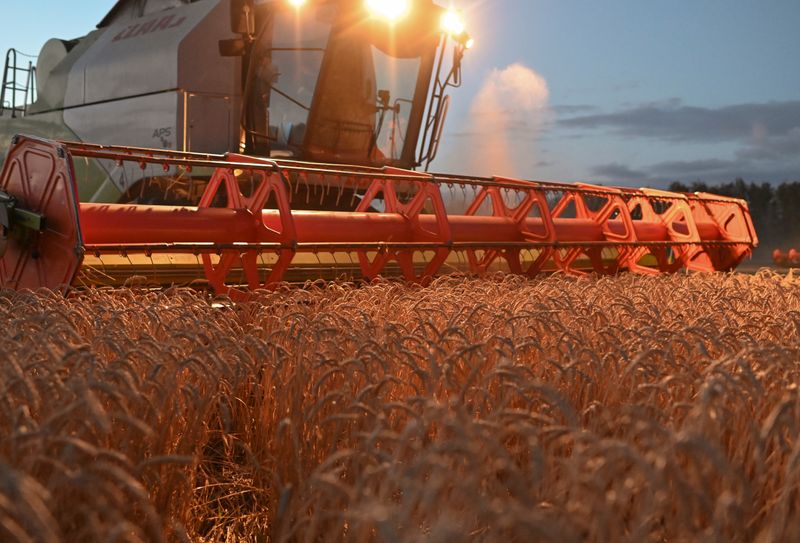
x: 624, y: 92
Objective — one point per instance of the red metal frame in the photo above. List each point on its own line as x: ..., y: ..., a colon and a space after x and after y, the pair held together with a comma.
x: 398, y: 214
x: 441, y: 236
x: 268, y: 183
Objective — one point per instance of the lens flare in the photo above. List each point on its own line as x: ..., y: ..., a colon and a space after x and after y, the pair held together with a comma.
x: 391, y: 10
x: 297, y: 3
x: 453, y: 22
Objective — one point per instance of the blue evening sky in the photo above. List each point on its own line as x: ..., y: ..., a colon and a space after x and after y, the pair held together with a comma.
x: 616, y: 91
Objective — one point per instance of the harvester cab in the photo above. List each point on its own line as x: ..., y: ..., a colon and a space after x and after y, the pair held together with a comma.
x: 247, y: 142
x: 328, y: 81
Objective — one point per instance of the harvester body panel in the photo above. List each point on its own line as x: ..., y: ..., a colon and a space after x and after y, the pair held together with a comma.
x: 154, y: 76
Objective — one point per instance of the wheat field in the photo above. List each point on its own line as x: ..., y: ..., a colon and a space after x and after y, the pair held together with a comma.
x: 623, y: 408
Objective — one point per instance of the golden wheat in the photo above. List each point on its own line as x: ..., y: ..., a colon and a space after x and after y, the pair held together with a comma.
x: 621, y: 408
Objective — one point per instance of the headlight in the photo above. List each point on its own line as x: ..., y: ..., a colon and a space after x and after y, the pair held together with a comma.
x: 453, y: 22
x: 392, y: 10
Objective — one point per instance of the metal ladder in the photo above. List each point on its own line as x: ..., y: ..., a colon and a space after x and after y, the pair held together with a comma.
x: 15, y: 96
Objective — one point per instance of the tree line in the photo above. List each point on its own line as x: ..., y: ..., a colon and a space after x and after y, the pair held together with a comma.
x: 775, y: 208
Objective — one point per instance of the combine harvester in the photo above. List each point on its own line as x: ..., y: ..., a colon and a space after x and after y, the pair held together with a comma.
x: 246, y: 142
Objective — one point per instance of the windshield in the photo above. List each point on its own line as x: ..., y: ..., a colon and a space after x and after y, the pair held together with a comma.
x: 284, y: 69
x: 329, y: 85
x: 396, y: 82
x: 369, y: 97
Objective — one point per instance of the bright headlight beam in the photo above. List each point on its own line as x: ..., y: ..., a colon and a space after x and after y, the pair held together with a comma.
x: 391, y: 10
x: 453, y: 22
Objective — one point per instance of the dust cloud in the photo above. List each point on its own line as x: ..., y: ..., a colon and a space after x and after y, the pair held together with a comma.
x: 506, y: 116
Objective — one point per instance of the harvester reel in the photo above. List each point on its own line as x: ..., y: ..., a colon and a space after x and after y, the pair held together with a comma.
x: 398, y: 216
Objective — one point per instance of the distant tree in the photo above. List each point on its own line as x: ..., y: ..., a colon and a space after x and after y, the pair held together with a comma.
x: 788, y: 209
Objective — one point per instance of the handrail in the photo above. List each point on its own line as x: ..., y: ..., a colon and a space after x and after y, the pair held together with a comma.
x: 10, y: 90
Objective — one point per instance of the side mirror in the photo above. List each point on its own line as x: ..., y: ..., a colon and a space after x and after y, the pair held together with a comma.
x: 243, y: 17
x: 232, y: 48
x: 458, y: 55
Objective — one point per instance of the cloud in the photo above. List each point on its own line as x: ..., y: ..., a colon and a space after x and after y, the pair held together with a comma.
x: 619, y: 173
x: 773, y: 147
x: 710, y: 170
x: 700, y: 168
x: 763, y: 140
x: 572, y: 109
x: 720, y: 170
x: 673, y: 121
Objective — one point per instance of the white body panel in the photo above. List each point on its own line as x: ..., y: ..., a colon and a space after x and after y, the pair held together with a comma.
x: 144, y: 56
x: 143, y: 121
x: 159, y: 81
